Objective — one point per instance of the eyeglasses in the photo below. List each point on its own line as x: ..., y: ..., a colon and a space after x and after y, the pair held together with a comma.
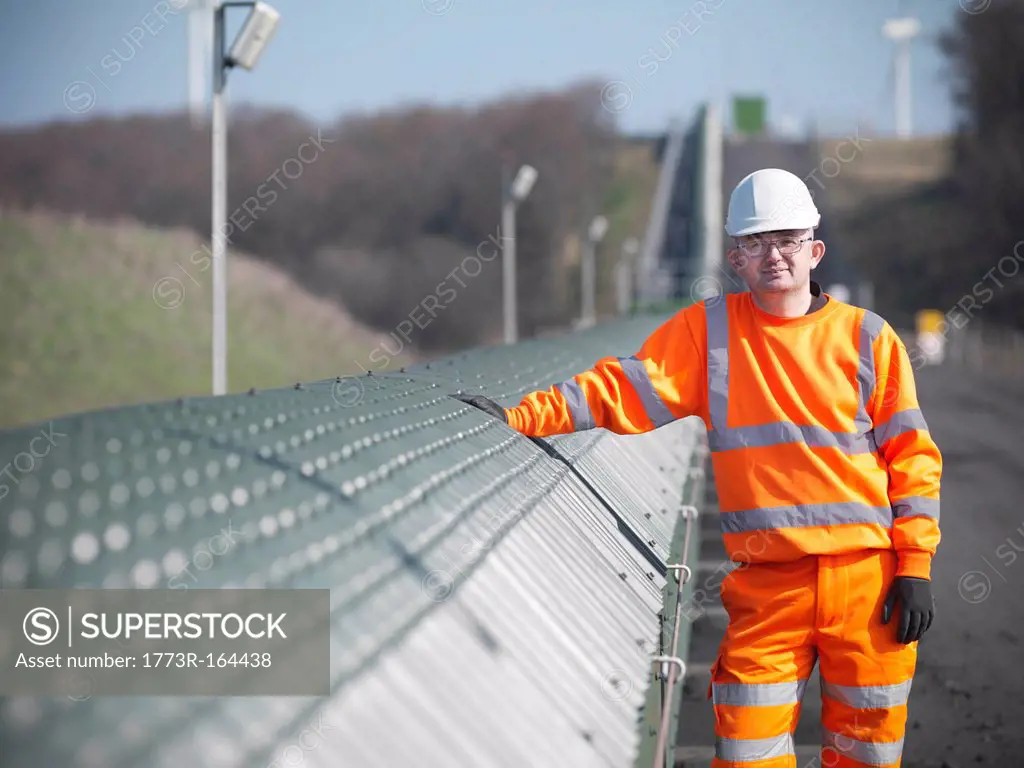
x: 787, y: 245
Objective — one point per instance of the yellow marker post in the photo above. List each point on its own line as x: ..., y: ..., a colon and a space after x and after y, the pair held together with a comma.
x: 931, y: 321
x: 931, y: 335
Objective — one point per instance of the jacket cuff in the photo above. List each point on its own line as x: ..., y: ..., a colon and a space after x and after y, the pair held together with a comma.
x: 515, y: 419
x: 914, y: 563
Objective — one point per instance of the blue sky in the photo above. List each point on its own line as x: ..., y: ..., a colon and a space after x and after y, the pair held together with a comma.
x: 820, y: 58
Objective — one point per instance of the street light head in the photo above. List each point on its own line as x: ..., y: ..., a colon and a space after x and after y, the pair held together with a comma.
x: 253, y: 37
x: 631, y: 247
x: 523, y: 183
x: 598, y: 227
x: 901, y: 29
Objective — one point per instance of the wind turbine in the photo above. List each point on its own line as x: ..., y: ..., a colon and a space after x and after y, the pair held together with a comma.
x: 200, y: 54
x: 902, y: 31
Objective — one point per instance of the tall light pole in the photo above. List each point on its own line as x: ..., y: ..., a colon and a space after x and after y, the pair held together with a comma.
x: 630, y: 248
x: 588, y: 270
x: 245, y: 52
x: 200, y: 49
x: 901, y: 32
x: 512, y: 195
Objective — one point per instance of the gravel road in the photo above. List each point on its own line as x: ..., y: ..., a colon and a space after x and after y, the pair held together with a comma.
x: 967, y: 704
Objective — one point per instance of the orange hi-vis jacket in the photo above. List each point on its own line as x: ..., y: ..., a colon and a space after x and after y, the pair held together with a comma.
x: 817, y: 441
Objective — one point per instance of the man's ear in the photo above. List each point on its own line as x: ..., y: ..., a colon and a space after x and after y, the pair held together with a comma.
x: 737, y: 260
x: 817, y: 253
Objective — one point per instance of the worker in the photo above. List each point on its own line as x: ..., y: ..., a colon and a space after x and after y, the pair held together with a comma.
x: 827, y: 479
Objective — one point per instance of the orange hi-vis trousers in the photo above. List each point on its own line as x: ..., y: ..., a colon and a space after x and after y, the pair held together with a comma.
x: 784, y: 618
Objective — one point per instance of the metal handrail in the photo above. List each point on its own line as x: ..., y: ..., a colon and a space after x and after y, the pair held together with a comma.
x: 683, y: 575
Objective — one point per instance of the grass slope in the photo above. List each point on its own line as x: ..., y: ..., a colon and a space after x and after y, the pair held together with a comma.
x: 882, y: 168
x: 80, y: 326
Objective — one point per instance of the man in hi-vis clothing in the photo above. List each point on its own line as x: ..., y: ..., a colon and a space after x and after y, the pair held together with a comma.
x: 827, y: 478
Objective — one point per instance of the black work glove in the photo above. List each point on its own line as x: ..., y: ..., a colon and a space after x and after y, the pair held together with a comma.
x: 485, y: 404
x: 917, y: 607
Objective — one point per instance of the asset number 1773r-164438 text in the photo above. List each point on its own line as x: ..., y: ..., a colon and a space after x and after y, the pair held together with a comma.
x: 206, y: 660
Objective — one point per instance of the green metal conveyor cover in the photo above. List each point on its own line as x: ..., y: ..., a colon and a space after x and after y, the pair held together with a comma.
x: 493, y: 604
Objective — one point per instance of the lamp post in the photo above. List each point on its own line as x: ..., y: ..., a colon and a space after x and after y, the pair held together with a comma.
x: 245, y: 52
x: 902, y: 31
x: 200, y: 49
x: 630, y: 248
x: 588, y: 271
x: 512, y: 195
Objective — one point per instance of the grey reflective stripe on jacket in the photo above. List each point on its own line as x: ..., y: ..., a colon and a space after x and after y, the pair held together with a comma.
x: 633, y: 368
x: 579, y: 408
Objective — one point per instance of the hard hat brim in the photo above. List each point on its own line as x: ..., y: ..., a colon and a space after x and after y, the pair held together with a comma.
x: 773, y: 225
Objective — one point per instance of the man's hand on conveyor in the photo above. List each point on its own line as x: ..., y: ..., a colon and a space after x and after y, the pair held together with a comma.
x: 485, y: 404
x: 916, y: 610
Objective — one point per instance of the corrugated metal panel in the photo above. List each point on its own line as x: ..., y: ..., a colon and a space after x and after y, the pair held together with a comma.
x: 493, y: 605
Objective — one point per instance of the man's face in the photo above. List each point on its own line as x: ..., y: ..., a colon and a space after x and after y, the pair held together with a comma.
x: 777, y: 262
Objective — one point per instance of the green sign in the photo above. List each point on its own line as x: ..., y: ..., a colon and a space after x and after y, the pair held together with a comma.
x: 748, y: 114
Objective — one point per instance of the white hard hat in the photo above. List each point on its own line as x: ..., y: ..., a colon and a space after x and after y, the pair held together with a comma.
x: 768, y: 200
